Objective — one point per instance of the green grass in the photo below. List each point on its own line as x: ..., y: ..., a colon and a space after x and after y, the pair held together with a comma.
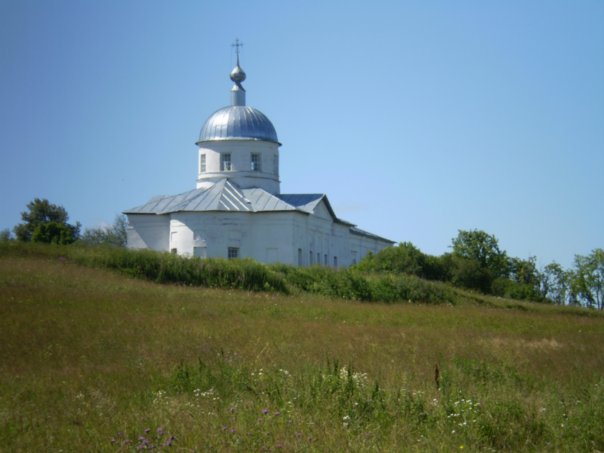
x: 90, y: 359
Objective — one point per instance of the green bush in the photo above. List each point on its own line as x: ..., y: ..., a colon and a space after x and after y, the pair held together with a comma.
x: 351, y: 284
x: 245, y: 274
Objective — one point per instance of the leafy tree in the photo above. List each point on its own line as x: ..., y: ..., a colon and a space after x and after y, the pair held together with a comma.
x: 525, y: 271
x: 525, y: 279
x: 588, y: 278
x: 476, y: 261
x: 114, y: 235
x: 54, y: 233
x: 555, y: 283
x: 405, y: 258
x: 483, y: 248
x: 46, y: 222
x: 5, y: 235
x: 467, y: 273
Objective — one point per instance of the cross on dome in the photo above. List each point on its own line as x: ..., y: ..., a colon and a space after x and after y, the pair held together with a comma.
x: 237, y: 44
x: 237, y: 74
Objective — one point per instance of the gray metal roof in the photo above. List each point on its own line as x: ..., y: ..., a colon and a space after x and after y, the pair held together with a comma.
x: 227, y: 196
x: 238, y: 122
x: 359, y: 232
x: 221, y: 196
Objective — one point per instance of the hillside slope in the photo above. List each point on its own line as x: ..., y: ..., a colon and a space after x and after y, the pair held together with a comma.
x: 91, y: 360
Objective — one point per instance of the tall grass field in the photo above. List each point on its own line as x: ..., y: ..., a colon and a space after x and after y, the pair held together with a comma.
x: 100, y: 355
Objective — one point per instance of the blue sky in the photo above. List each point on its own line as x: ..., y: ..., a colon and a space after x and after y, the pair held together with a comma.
x: 416, y: 118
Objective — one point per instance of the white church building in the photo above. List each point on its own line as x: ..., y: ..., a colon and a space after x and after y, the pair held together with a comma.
x: 237, y: 209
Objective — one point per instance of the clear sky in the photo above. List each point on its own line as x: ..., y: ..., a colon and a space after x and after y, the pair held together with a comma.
x: 416, y: 118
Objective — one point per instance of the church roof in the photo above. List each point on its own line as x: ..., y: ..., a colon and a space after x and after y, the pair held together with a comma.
x: 227, y: 196
x: 224, y: 195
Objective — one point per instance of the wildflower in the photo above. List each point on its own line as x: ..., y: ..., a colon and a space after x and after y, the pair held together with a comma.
x: 265, y: 411
x: 345, y: 421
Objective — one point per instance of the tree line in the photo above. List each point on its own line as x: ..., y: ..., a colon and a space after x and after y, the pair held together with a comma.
x: 476, y: 262
x: 48, y: 223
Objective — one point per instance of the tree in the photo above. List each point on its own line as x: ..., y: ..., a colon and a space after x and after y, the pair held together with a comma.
x: 114, y: 235
x: 5, y: 235
x: 482, y: 247
x: 525, y: 279
x: 525, y: 271
x: 477, y: 261
x: 588, y: 281
x: 54, y: 233
x: 46, y: 222
x: 467, y: 273
x: 555, y: 283
x: 405, y: 258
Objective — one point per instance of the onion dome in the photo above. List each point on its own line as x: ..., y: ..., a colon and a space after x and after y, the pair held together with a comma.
x: 238, y: 121
x: 238, y: 75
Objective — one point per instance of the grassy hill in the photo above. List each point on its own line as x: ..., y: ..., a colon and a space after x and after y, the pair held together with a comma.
x: 93, y: 360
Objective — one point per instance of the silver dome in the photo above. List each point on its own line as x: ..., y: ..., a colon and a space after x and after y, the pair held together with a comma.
x: 238, y: 122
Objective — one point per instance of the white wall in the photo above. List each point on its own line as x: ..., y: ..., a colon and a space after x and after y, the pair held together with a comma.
x: 263, y: 236
x: 241, y: 173
x: 148, y: 231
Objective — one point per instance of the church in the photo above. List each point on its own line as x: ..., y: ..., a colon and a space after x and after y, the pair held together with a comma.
x: 237, y: 209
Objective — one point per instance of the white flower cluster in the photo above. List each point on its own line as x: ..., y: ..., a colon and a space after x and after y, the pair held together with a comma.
x: 258, y: 374
x: 464, y: 412
x: 210, y: 393
x: 345, y: 421
x: 360, y: 379
x: 159, y: 397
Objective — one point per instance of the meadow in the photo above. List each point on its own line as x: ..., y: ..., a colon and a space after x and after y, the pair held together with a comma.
x: 92, y: 359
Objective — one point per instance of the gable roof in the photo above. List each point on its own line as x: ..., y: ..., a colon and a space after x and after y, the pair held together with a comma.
x: 224, y: 195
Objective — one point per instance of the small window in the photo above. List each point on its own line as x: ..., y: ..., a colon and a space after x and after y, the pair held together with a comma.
x: 335, y: 262
x: 310, y: 255
x: 318, y: 258
x: 173, y: 251
x: 233, y: 253
x: 299, y: 257
x: 202, y: 163
x: 325, y: 260
x: 225, y: 162
x: 255, y: 163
